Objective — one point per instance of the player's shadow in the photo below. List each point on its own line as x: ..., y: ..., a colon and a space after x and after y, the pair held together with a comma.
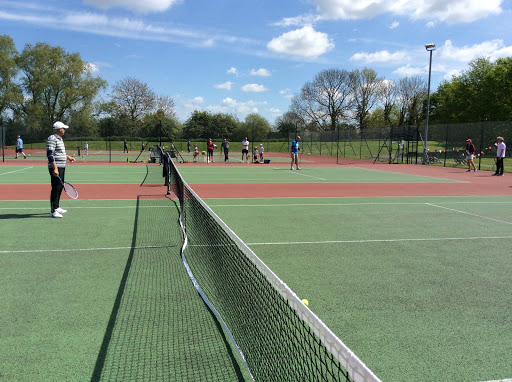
x: 23, y: 216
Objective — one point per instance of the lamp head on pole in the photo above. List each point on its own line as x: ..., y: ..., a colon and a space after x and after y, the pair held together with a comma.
x: 430, y: 47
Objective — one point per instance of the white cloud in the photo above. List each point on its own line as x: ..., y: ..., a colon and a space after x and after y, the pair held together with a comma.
x: 304, y: 42
x: 260, y: 72
x: 254, y: 88
x: 193, y: 103
x: 380, y: 56
x: 226, y: 85
x: 450, y: 11
x: 146, y: 6
x: 493, y: 49
x: 274, y: 110
x: 408, y: 71
x: 394, y: 25
x: 430, y: 24
x: 230, y: 105
x: 93, y: 68
x: 298, y: 21
x: 232, y: 70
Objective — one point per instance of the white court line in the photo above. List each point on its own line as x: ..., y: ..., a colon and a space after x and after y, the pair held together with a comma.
x: 84, y: 208
x: 90, y: 249
x: 299, y: 172
x: 468, y: 213
x: 344, y: 204
x: 21, y: 169
x: 383, y: 240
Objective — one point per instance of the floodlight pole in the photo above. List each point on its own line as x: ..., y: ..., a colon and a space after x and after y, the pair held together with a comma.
x: 430, y: 48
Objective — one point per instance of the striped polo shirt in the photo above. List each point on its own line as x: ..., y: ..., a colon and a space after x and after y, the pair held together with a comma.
x: 55, y: 151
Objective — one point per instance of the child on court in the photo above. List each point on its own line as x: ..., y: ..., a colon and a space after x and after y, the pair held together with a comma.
x: 255, y: 155
x: 262, y: 150
x: 196, y: 153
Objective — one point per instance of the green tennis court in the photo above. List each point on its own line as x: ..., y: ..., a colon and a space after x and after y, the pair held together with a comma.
x: 415, y: 286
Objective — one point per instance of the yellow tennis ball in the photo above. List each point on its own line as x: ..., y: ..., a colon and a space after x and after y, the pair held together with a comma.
x: 305, y: 302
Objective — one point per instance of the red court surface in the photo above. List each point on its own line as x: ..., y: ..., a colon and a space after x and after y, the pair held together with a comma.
x: 481, y: 183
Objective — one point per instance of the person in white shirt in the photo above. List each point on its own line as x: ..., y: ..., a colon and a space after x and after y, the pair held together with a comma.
x: 500, y: 154
x: 245, y: 150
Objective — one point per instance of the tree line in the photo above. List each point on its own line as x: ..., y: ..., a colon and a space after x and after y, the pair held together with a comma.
x: 44, y: 83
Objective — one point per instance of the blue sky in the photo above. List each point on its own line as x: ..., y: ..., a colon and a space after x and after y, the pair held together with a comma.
x: 245, y: 56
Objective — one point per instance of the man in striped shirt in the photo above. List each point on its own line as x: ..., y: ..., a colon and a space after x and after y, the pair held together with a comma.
x: 56, y: 153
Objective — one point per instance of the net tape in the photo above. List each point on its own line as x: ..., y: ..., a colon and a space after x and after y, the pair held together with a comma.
x: 278, y: 337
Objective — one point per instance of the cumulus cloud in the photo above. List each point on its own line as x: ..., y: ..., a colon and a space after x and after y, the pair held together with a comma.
x: 92, y: 68
x: 450, y: 11
x: 226, y: 85
x: 230, y: 105
x: 253, y: 88
x: 146, y: 6
x: 193, y: 103
x: 260, y: 72
x: 298, y: 21
x: 381, y: 56
x: 493, y: 49
x: 394, y: 25
x: 232, y: 70
x: 304, y: 42
x: 409, y: 71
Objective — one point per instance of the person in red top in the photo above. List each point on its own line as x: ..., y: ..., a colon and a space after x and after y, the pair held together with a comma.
x: 470, y: 153
x: 210, y: 147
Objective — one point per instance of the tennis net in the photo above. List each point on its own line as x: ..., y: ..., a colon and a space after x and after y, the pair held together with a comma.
x: 277, y: 336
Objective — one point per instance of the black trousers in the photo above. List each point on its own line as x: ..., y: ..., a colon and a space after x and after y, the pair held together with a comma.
x: 226, y: 155
x: 499, y: 166
x: 56, y: 188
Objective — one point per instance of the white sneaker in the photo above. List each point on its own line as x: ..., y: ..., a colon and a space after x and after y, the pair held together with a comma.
x: 55, y: 214
x: 298, y: 168
x: 61, y: 211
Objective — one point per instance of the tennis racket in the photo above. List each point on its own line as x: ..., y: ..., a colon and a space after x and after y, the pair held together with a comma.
x: 69, y: 189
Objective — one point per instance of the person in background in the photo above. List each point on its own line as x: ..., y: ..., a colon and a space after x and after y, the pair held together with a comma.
x: 262, y: 151
x: 470, y: 154
x: 188, y: 146
x: 142, y: 145
x: 210, y: 147
x: 86, y: 148
x: 500, y: 154
x: 56, y: 154
x: 245, y: 150
x: 19, y: 147
x: 125, y: 146
x: 295, y: 153
x: 255, y: 155
x: 225, y: 147
x: 196, y: 153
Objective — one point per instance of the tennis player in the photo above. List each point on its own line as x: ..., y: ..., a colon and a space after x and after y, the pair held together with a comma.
x: 19, y: 147
x: 210, y: 147
x: 245, y: 150
x: 500, y: 154
x: 470, y: 154
x: 295, y: 153
x: 56, y: 153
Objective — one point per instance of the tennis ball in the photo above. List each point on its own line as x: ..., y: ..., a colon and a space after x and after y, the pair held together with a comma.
x: 309, y: 153
x: 305, y: 302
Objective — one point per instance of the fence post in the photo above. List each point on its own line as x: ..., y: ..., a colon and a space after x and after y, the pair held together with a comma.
x: 445, y: 144
x: 480, y: 149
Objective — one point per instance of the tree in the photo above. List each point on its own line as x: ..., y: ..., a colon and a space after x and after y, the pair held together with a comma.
x: 482, y: 93
x: 55, y: 84
x: 10, y: 93
x: 327, y: 99
x: 287, y: 124
x: 133, y: 98
x: 367, y: 89
x: 411, y: 92
x: 165, y: 105
x: 255, y: 127
x: 389, y: 93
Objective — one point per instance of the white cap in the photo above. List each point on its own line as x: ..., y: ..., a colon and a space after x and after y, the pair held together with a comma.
x: 60, y: 125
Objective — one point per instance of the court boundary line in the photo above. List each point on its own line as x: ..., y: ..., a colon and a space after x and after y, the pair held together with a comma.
x: 21, y: 169
x: 346, y: 204
x: 468, y: 213
x: 89, y: 249
x: 363, y: 241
